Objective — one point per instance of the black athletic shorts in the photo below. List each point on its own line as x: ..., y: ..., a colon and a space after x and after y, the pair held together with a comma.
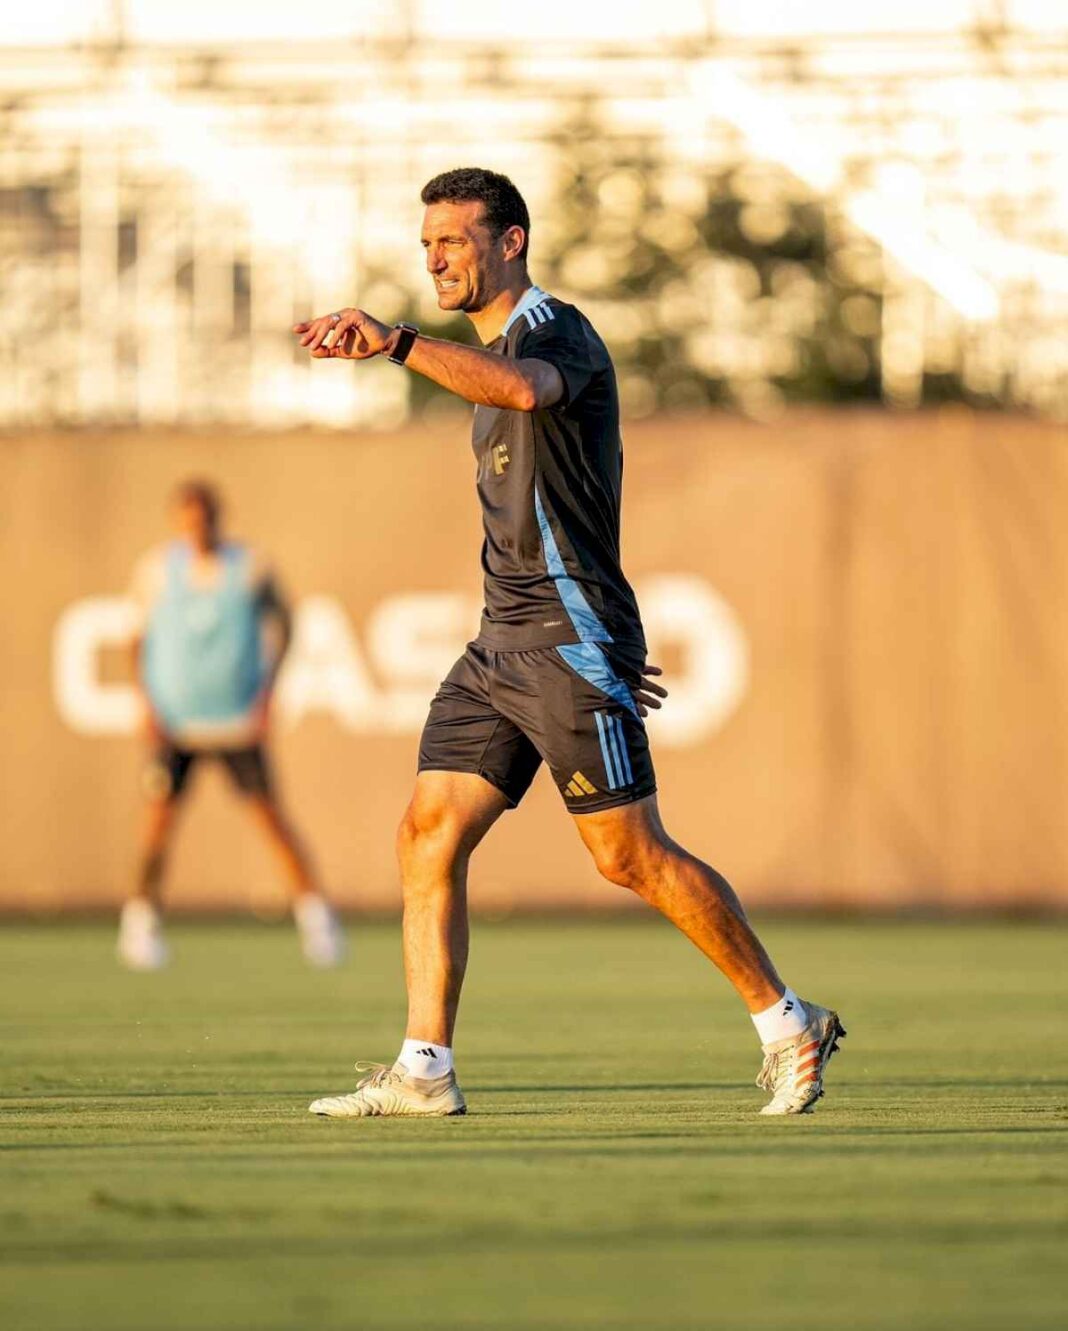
x: 500, y: 714
x: 169, y: 767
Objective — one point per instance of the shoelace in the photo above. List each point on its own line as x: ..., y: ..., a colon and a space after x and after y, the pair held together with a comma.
x: 766, y: 1079
x: 777, y: 1069
x: 379, y: 1073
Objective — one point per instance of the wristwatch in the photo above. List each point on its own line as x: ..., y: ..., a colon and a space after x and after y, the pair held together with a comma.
x: 403, y: 340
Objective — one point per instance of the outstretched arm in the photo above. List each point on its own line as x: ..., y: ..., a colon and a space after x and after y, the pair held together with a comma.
x: 479, y: 376
x: 276, y: 614
x: 276, y: 620
x: 151, y: 726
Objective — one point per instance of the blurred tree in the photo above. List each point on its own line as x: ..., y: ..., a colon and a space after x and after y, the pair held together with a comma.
x: 394, y: 303
x: 735, y: 287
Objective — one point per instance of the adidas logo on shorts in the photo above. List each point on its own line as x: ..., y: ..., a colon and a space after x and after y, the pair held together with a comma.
x: 579, y: 785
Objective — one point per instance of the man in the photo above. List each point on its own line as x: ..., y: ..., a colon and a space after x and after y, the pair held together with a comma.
x: 557, y: 673
x: 213, y: 634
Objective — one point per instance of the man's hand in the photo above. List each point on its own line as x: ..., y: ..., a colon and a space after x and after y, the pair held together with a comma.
x: 151, y: 727
x: 647, y: 694
x: 261, y: 715
x: 347, y: 334
x: 473, y: 373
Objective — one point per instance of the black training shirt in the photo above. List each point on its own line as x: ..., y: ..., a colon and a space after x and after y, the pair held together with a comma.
x: 550, y: 481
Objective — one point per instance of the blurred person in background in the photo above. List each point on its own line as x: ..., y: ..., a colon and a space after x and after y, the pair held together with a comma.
x: 558, y: 672
x: 213, y: 632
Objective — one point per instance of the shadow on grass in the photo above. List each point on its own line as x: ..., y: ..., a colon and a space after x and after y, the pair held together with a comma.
x: 363, y: 1240
x: 38, y: 1100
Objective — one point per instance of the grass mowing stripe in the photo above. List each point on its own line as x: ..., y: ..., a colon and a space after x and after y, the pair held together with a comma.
x: 159, y: 1168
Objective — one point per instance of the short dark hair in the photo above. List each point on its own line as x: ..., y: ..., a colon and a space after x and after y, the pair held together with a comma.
x: 504, y: 205
x: 197, y: 491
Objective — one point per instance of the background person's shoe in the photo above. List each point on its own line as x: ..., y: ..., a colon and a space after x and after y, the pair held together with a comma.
x: 141, y: 945
x: 394, y: 1091
x: 322, y: 939
x: 793, y: 1068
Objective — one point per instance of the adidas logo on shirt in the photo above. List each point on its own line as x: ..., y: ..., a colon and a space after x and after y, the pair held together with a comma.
x: 539, y: 314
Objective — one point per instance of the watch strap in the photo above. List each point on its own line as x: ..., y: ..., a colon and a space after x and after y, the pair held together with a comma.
x: 401, y: 343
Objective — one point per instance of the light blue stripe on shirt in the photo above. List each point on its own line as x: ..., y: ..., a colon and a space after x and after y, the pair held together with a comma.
x: 587, y: 625
x: 531, y: 297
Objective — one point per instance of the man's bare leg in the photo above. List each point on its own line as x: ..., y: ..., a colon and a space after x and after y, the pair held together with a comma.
x: 160, y: 818
x: 449, y: 814
x: 322, y: 939
x: 285, y: 844
x: 630, y: 847
x: 142, y: 945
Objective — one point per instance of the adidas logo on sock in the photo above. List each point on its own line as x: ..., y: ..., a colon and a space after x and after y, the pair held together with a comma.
x: 427, y: 1053
x: 787, y: 1009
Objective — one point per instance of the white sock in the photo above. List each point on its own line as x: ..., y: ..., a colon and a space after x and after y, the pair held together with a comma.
x: 782, y: 1020
x: 423, y: 1059
x: 311, y: 910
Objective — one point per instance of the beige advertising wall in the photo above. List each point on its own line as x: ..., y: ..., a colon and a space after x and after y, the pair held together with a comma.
x: 864, y: 618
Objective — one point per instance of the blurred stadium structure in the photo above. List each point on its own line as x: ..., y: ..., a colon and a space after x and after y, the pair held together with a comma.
x: 758, y: 203
x: 864, y: 614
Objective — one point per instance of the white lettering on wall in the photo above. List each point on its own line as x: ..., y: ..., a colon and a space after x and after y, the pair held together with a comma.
x: 410, y: 641
x: 83, y: 699
x: 325, y: 671
x: 682, y: 613
x: 413, y: 640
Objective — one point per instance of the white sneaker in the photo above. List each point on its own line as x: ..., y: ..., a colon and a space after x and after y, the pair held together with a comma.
x: 793, y: 1068
x: 141, y: 945
x: 394, y: 1091
x: 321, y: 937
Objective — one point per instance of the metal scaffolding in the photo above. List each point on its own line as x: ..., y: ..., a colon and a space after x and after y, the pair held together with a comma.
x: 166, y: 211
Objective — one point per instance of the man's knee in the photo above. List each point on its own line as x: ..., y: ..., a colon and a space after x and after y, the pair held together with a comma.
x: 428, y: 832
x: 626, y: 862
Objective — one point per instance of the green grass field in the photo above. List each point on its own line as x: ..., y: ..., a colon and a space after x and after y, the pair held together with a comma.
x: 159, y: 1169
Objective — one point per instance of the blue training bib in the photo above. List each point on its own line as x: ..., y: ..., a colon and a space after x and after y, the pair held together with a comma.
x: 203, y: 654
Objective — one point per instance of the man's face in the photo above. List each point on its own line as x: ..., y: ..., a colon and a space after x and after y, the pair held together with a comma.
x: 467, y: 262
x: 196, y: 522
